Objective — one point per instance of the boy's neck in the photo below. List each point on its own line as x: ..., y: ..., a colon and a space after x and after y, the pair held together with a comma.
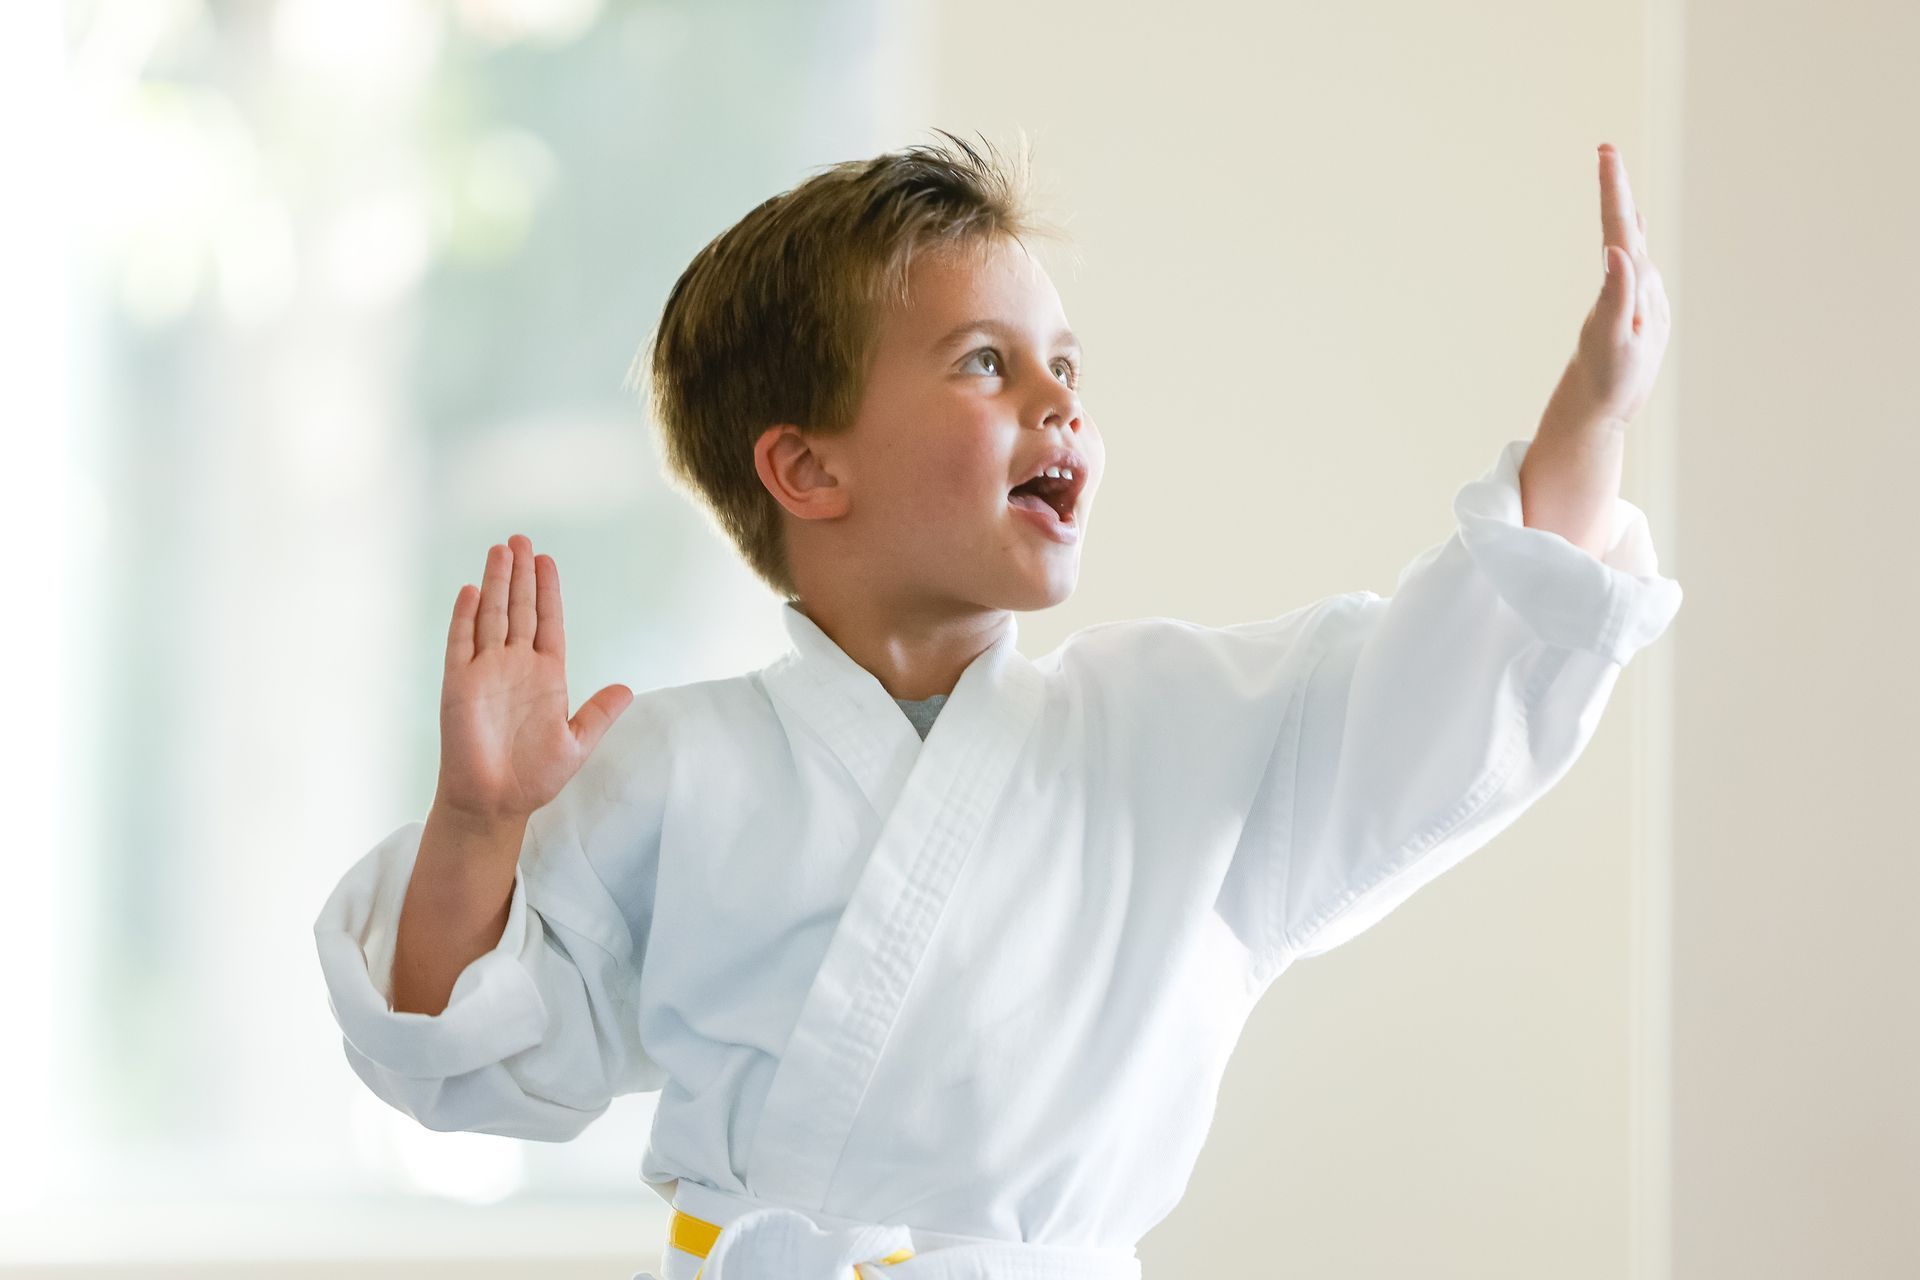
x: 913, y: 657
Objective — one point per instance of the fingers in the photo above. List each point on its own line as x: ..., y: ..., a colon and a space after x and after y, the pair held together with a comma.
x: 518, y: 602
x: 550, y: 635
x: 520, y: 592
x: 1619, y: 296
x: 1619, y: 221
x: 490, y: 626
x: 460, y: 631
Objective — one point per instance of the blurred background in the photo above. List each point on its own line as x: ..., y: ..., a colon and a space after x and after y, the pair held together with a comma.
x: 307, y: 302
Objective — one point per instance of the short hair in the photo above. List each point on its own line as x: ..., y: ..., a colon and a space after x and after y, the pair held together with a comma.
x: 777, y: 318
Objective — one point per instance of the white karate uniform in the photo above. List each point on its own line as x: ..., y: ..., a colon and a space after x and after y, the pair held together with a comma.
x: 974, y: 995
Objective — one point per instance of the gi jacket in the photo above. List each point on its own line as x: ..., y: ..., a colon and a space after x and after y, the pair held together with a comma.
x: 987, y: 984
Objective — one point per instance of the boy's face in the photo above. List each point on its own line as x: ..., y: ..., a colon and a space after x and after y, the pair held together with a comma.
x: 913, y: 504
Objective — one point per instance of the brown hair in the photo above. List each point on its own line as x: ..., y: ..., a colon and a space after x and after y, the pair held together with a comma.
x: 776, y: 319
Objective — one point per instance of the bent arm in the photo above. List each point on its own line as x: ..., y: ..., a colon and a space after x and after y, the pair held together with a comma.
x: 1433, y: 719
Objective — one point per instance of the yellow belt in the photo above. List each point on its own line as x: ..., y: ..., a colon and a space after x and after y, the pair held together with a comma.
x: 696, y: 1236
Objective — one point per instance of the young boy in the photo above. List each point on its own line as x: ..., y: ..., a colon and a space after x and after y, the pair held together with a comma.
x: 936, y: 953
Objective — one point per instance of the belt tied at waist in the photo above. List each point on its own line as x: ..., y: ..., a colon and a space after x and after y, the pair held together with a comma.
x: 780, y: 1242
x: 725, y: 1235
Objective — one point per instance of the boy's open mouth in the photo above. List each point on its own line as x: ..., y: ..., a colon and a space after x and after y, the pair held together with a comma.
x: 1046, y: 495
x: 1056, y: 495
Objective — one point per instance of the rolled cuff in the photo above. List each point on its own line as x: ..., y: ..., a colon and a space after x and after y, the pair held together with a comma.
x: 1612, y: 605
x: 494, y: 1010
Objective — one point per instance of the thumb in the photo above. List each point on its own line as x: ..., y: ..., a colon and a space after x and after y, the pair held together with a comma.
x: 1616, y: 294
x: 597, y: 715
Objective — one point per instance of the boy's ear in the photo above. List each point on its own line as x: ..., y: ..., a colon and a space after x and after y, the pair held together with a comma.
x: 796, y: 476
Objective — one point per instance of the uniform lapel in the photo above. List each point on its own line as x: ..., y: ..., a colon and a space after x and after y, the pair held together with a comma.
x: 844, y: 705
x: 935, y: 799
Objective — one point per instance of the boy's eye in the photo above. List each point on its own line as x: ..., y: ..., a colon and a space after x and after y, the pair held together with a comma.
x: 993, y: 356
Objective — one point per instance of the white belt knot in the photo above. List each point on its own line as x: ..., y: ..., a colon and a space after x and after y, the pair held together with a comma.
x: 781, y: 1244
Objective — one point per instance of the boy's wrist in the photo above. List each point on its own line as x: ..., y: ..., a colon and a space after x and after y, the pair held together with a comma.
x: 471, y: 853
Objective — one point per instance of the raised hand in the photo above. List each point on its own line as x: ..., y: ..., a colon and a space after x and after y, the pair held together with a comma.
x: 506, y: 744
x: 1625, y: 335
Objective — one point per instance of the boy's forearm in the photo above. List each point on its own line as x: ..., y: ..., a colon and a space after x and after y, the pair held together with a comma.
x: 456, y: 906
x: 1570, y: 477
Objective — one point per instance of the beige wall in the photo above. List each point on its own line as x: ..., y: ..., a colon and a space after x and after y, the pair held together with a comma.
x: 1797, y: 1025
x: 1332, y: 258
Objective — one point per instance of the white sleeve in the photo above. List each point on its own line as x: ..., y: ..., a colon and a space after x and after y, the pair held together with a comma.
x: 542, y: 1032
x: 1431, y: 720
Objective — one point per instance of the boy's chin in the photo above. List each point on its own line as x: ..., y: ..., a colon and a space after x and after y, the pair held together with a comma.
x: 1042, y: 589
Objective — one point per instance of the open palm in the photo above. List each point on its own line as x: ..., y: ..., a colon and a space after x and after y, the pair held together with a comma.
x: 507, y: 746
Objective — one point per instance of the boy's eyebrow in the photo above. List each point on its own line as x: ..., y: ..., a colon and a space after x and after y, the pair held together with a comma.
x: 1063, y: 338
